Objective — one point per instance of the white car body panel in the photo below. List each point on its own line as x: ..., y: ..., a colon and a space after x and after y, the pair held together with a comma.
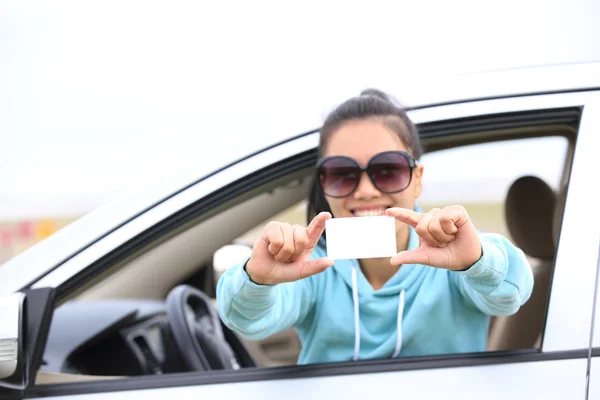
x: 558, y: 379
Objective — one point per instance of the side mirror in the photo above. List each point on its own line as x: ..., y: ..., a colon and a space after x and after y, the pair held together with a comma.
x: 11, y: 338
x: 24, y: 324
x: 228, y: 256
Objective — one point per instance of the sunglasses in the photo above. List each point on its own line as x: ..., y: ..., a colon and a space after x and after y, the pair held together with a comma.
x: 390, y: 172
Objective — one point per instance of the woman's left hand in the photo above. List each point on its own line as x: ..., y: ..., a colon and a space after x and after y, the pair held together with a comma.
x: 447, y: 238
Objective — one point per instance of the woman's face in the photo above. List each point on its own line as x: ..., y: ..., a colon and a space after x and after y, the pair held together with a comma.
x: 361, y: 140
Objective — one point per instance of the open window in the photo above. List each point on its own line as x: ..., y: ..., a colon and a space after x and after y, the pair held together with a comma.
x: 512, y: 186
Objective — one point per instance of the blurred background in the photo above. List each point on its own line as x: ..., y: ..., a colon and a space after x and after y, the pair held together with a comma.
x: 98, y: 99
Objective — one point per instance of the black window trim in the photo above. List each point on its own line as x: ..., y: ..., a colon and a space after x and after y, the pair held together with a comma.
x: 252, y: 182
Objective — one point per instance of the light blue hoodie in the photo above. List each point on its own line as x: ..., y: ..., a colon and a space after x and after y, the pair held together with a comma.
x: 420, y: 311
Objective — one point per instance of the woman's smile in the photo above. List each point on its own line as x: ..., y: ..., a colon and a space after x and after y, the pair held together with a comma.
x: 369, y: 211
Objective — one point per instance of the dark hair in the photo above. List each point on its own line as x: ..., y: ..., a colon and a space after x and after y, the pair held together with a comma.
x: 370, y: 104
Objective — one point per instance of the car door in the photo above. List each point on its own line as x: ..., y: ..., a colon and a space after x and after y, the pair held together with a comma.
x: 558, y: 369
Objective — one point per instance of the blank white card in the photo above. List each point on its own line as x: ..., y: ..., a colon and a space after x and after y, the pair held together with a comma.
x: 360, y: 237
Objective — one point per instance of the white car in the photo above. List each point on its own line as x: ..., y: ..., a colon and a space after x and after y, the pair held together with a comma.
x: 120, y: 304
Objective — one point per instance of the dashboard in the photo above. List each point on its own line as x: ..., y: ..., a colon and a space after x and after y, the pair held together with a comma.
x: 111, y: 338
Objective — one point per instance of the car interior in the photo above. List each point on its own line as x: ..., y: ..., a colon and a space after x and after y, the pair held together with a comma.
x: 153, y: 309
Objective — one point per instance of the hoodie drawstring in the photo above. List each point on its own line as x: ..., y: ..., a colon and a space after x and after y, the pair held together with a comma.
x: 357, y: 318
x: 399, y: 324
x: 356, y: 315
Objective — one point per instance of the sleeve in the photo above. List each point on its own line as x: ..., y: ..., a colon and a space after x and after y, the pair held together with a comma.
x: 500, y: 282
x: 259, y: 311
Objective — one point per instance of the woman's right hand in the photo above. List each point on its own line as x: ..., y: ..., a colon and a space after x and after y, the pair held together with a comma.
x: 282, y: 254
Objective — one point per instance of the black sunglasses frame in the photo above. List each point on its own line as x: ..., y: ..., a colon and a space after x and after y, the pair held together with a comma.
x: 412, y: 163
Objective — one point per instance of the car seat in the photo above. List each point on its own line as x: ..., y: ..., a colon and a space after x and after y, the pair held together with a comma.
x: 533, y: 217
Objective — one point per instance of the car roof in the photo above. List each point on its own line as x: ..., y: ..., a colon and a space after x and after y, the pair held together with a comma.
x: 491, y: 84
x: 67, y: 242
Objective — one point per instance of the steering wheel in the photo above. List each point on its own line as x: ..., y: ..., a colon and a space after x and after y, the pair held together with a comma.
x: 197, y: 331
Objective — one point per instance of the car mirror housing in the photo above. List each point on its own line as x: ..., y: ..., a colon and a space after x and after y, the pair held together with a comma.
x: 12, y: 340
x: 25, y: 317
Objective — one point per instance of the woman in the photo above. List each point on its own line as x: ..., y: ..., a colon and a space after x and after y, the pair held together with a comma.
x: 434, y: 297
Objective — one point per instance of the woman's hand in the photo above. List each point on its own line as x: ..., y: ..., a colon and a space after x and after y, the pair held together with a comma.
x: 282, y: 254
x: 447, y: 238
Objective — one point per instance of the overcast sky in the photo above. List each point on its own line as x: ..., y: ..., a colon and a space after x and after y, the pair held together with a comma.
x: 97, y: 97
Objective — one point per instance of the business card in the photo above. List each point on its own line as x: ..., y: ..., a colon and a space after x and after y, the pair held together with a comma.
x: 360, y: 237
